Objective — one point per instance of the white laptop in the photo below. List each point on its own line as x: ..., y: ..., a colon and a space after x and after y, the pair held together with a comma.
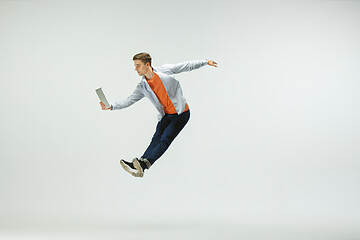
x: 102, y: 97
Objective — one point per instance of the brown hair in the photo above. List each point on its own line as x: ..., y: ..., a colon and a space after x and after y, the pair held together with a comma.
x: 144, y: 57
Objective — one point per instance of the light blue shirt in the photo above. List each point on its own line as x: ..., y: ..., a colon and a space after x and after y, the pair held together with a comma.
x: 172, y: 87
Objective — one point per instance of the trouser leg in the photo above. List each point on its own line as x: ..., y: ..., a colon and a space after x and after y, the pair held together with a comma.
x: 166, y: 131
x: 161, y: 126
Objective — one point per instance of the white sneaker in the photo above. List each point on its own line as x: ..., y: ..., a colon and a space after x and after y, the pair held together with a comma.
x: 127, y: 166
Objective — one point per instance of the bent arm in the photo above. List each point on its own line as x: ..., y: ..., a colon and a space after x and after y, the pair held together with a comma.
x: 182, y: 67
x: 133, y: 98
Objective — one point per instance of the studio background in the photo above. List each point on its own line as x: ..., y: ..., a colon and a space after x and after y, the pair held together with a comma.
x: 272, y: 142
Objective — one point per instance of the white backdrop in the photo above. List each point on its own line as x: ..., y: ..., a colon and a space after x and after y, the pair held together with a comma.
x: 273, y: 138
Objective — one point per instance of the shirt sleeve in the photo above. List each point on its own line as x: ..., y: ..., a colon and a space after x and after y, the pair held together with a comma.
x: 133, y: 98
x: 182, y: 67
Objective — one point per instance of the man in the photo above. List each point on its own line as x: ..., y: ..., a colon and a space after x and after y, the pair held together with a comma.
x: 164, y: 91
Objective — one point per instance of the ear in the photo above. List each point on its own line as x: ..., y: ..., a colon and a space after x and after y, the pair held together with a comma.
x: 147, y: 64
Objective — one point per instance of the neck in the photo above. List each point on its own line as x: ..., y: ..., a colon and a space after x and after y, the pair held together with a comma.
x: 150, y: 73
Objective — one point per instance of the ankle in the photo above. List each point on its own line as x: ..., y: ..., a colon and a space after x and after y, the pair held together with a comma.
x: 145, y: 163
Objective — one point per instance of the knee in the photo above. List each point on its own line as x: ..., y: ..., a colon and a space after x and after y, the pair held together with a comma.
x: 166, y: 141
x: 155, y: 139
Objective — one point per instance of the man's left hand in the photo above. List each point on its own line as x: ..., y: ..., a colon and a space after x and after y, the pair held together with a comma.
x: 212, y: 63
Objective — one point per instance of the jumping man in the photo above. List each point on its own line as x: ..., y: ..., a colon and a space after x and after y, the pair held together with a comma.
x: 164, y: 91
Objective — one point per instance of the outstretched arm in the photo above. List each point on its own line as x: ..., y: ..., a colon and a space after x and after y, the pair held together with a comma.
x: 185, y: 66
x: 133, y: 98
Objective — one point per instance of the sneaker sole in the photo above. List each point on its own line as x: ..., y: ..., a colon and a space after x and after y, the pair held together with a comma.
x: 137, y: 165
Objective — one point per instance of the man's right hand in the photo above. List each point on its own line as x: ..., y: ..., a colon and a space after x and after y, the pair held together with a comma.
x: 103, y: 107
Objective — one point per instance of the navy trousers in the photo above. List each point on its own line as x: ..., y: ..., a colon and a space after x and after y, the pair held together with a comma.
x: 166, y: 131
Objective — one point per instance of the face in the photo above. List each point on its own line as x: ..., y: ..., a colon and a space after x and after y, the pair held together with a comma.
x: 140, y: 67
